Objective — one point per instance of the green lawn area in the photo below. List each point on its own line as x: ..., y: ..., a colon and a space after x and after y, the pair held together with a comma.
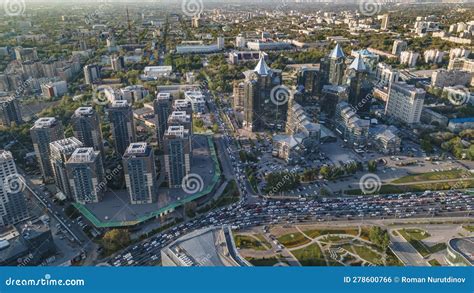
x: 263, y: 262
x: 313, y: 233
x: 392, y: 260
x: 469, y: 228
x: 262, y: 240
x: 247, y: 242
x: 434, y: 263
x: 310, y: 255
x: 414, y: 237
x: 416, y: 234
x: 293, y: 239
x: 443, y: 175
x: 365, y: 253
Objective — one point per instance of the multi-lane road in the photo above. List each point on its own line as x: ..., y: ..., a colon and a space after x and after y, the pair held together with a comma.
x: 266, y: 212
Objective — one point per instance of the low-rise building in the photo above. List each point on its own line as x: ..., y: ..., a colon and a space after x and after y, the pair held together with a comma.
x: 205, y: 247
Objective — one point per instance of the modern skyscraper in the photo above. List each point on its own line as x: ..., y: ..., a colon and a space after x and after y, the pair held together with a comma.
x: 359, y: 86
x: 405, y: 102
x: 140, y: 173
x: 162, y: 106
x: 177, y: 156
x: 61, y: 151
x: 86, y: 175
x: 122, y: 125
x: 259, y: 110
x: 86, y: 127
x: 91, y: 73
x: 336, y: 65
x: 10, y: 111
x: 44, y: 131
x: 310, y: 82
x: 13, y: 207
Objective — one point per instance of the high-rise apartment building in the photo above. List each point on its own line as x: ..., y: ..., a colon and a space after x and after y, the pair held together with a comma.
x: 399, y: 46
x: 140, y: 173
x: 86, y: 175
x: 13, y: 207
x: 91, y: 73
x: 45, y: 131
x: 61, y: 151
x: 260, y: 110
x: 177, y: 156
x: 405, y: 102
x: 10, y: 111
x: 162, y: 108
x: 122, y: 125
x: 86, y: 127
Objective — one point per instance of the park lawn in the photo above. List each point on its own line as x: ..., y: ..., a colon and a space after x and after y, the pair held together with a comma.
x: 469, y: 228
x: 262, y: 240
x: 293, y: 240
x: 392, y: 260
x: 368, y: 254
x: 432, y: 176
x: 416, y: 234
x: 414, y: 237
x: 311, y: 255
x: 313, y: 233
x: 247, y: 242
x: 434, y: 263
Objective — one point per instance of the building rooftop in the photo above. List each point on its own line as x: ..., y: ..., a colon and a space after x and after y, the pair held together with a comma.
x: 262, y: 67
x: 83, y: 155
x: 137, y: 149
x: 5, y: 155
x: 163, y: 96
x: 65, y: 145
x: 358, y: 64
x: 177, y: 130
x: 84, y: 111
x: 465, y: 247
x: 337, y: 52
x: 45, y: 122
x: 120, y: 104
x: 205, y: 247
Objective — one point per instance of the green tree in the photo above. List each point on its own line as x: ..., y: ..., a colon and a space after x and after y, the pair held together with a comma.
x: 379, y: 237
x: 115, y: 240
x: 372, y: 166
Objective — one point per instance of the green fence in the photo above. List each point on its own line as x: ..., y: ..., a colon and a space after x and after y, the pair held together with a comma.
x: 164, y: 210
